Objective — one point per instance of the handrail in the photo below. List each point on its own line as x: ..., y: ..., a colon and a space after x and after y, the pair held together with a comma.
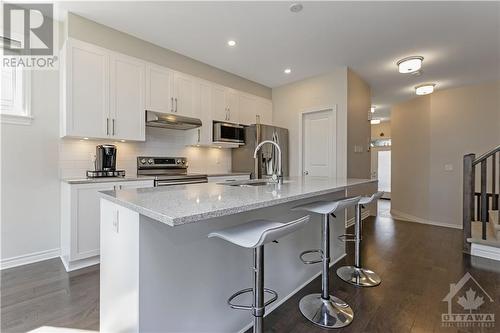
x: 486, y: 155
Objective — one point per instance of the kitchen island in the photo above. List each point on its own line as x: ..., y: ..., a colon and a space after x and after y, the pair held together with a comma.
x: 160, y: 272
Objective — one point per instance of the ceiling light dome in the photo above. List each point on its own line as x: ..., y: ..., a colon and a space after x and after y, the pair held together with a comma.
x: 410, y: 64
x: 375, y: 121
x: 425, y: 89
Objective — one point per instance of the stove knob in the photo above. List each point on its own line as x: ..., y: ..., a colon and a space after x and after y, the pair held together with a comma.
x: 150, y: 161
x: 178, y: 161
x: 143, y: 161
x: 183, y: 162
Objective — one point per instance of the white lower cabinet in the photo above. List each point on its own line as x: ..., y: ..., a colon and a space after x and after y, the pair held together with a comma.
x: 80, y: 220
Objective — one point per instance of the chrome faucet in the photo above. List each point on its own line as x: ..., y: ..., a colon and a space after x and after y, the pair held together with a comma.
x: 279, y: 176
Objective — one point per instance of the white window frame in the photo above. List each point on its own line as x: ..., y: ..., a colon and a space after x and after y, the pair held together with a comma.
x: 20, y: 113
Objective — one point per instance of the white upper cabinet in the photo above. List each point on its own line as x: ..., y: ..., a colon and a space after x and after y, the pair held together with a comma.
x: 219, y: 106
x: 225, y: 104
x: 248, y: 109
x: 127, y: 98
x: 159, y: 88
x: 85, y: 85
x: 265, y: 111
x: 184, y: 95
x: 233, y: 105
x: 103, y: 94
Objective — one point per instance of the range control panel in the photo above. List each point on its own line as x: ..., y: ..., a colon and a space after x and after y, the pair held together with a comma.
x: 144, y: 162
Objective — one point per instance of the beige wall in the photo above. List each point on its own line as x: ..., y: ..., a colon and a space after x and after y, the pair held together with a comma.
x: 383, y: 127
x: 358, y: 126
x: 95, y: 33
x: 315, y: 93
x: 432, y: 131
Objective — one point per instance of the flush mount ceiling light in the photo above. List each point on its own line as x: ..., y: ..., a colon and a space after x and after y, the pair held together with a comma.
x: 372, y: 109
x: 425, y: 89
x: 296, y: 7
x: 410, y: 64
x: 375, y: 121
x: 287, y: 70
x: 231, y: 43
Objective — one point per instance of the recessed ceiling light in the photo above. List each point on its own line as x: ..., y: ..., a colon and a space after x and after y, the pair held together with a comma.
x: 410, y: 64
x: 372, y: 109
x: 296, y: 7
x: 122, y: 141
x: 375, y: 121
x: 231, y: 42
x: 425, y: 89
x: 287, y: 70
x: 85, y: 138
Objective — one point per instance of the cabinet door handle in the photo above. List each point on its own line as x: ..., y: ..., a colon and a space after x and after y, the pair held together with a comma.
x: 228, y: 113
x: 199, y: 135
x: 171, y: 104
x: 107, y: 126
x: 176, y: 104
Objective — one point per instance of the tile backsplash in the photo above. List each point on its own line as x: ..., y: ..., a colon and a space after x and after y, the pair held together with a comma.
x: 75, y: 156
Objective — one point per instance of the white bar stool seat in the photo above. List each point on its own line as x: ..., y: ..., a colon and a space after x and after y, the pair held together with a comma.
x: 255, y: 234
x: 323, y: 309
x: 357, y: 275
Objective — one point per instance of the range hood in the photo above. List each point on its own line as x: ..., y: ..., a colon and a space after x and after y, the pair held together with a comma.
x: 172, y: 121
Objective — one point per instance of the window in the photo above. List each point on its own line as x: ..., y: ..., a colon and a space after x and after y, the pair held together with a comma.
x: 15, y: 96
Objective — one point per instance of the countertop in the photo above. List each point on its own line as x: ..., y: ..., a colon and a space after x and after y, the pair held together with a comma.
x: 177, y: 205
x: 84, y: 180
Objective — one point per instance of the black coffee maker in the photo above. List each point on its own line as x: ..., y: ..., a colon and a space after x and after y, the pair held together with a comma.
x: 105, y: 163
x: 105, y: 158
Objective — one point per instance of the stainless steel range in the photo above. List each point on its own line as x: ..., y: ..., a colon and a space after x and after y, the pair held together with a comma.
x: 168, y: 171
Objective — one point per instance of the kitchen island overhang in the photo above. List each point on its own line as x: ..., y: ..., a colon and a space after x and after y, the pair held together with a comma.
x: 169, y: 276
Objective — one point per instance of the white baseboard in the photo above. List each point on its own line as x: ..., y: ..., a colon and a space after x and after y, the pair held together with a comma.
x: 410, y: 218
x: 29, y: 258
x: 364, y: 215
x: 485, y: 251
x: 284, y: 299
x: 77, y: 264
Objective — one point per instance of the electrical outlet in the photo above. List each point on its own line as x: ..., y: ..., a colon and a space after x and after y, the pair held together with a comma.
x: 448, y: 167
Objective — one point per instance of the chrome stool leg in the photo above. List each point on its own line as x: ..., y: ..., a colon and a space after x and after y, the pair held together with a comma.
x: 258, y: 287
x: 356, y: 275
x: 323, y: 309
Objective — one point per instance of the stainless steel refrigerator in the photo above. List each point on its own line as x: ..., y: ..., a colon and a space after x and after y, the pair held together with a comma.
x: 267, y: 157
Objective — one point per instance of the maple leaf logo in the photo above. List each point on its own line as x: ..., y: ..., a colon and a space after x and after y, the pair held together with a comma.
x: 470, y: 301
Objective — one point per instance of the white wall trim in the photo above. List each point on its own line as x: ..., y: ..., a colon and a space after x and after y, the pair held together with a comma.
x: 410, y: 218
x: 284, y: 299
x: 29, y: 258
x: 333, y: 110
x: 485, y: 251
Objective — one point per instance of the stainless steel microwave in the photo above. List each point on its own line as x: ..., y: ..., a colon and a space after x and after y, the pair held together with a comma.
x: 228, y: 132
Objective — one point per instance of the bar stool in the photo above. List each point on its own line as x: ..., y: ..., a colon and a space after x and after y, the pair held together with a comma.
x: 356, y: 274
x: 254, y: 235
x: 323, y: 309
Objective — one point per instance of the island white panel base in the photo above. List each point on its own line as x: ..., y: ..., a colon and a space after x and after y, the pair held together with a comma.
x: 158, y: 278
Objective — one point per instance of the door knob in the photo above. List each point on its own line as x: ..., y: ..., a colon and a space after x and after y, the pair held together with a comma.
x: 306, y: 173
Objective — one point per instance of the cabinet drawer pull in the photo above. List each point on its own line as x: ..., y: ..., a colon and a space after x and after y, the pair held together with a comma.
x: 176, y: 104
x: 171, y: 104
x: 107, y: 126
x: 113, y: 122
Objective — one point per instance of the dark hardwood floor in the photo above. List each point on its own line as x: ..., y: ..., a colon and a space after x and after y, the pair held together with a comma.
x: 417, y: 264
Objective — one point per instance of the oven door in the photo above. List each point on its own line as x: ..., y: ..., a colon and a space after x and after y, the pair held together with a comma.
x: 228, y: 132
x: 180, y: 181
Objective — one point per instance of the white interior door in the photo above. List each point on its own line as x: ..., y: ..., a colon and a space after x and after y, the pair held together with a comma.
x: 318, y: 136
x: 381, y: 169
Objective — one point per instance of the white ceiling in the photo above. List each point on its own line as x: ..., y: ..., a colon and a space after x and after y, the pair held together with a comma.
x: 460, y: 41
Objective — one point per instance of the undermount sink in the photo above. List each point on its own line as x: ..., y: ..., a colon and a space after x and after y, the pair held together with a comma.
x: 251, y: 182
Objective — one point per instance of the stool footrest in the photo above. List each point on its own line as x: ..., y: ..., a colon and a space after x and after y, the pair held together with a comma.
x: 308, y: 262
x: 348, y: 238
x: 250, y: 307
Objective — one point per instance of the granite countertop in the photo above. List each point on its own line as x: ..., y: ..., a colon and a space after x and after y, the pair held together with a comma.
x: 177, y: 205
x: 84, y: 180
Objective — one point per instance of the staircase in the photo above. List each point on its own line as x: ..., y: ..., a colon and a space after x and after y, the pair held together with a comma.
x: 481, y: 187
